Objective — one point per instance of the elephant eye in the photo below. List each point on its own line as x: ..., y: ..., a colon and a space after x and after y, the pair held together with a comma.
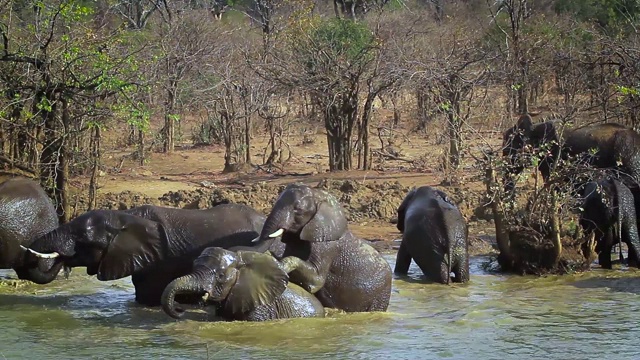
x: 220, y: 276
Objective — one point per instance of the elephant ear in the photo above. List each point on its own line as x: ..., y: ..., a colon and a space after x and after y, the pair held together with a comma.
x: 328, y: 223
x: 138, y: 243
x: 260, y: 281
x: 402, y: 209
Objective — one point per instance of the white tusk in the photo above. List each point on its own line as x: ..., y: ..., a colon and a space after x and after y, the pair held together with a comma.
x: 277, y: 233
x: 53, y: 255
x: 256, y: 239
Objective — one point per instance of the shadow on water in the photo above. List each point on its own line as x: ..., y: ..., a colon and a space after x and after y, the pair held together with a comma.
x: 492, y: 317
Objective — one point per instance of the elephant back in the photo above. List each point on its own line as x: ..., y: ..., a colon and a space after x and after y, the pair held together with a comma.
x: 26, y: 212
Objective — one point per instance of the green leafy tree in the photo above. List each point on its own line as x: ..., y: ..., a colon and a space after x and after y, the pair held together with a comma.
x: 62, y: 67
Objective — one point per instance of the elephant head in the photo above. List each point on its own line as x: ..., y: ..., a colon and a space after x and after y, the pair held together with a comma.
x: 303, y: 213
x: 423, y: 192
x: 241, y: 281
x: 527, y: 137
x: 110, y: 244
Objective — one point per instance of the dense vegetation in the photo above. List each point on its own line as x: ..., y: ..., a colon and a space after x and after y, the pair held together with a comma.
x: 72, y: 70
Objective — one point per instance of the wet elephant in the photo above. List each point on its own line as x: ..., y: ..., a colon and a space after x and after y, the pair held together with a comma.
x: 244, y: 285
x: 323, y: 256
x: 434, y: 235
x: 26, y: 212
x: 153, y: 244
x: 615, y: 145
x: 609, y: 212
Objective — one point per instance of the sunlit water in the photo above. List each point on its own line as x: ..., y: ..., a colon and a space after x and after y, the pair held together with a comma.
x: 592, y: 315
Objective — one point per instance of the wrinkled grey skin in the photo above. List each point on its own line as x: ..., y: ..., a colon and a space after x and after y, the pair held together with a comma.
x: 153, y: 244
x: 323, y: 256
x: 26, y: 212
x: 617, y: 146
x: 434, y: 235
x: 245, y: 285
x: 609, y: 212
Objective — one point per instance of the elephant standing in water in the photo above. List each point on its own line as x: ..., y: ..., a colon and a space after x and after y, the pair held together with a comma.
x: 616, y: 146
x: 322, y: 255
x: 244, y: 285
x: 153, y: 244
x: 26, y: 212
x: 434, y: 235
x: 609, y: 213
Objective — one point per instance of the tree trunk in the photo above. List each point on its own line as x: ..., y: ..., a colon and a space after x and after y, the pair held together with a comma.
x: 95, y: 154
x: 340, y: 118
x: 454, y: 141
x: 555, y: 228
x: 502, y: 235
x: 169, y: 118
x: 364, y: 132
x: 53, y: 160
x: 141, y: 153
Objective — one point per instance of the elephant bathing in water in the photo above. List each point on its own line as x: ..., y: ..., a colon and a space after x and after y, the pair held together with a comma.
x: 434, y: 234
x: 243, y: 285
x: 616, y: 146
x: 153, y: 244
x: 26, y: 212
x: 608, y: 205
x: 323, y: 256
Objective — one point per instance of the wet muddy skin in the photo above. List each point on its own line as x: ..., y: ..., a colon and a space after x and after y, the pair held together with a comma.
x: 587, y: 315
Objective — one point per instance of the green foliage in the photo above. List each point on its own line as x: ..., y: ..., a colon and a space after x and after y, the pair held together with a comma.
x: 612, y: 15
x: 341, y: 39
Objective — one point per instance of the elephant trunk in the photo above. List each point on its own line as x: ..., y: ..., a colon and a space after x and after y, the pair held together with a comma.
x: 277, y: 222
x: 38, y: 276
x: 188, y: 284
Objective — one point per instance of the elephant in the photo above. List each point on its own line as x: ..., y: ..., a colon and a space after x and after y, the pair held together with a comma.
x: 26, y: 213
x: 322, y: 255
x: 616, y: 146
x: 244, y: 285
x: 153, y: 244
x: 434, y: 235
x: 609, y: 204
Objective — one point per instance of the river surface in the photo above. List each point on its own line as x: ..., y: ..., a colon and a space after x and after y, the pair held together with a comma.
x: 591, y: 315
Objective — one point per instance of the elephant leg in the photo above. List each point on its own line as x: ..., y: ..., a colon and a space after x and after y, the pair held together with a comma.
x: 605, y: 244
x: 461, y: 270
x: 303, y: 271
x: 148, y: 292
x: 403, y: 259
x: 325, y: 298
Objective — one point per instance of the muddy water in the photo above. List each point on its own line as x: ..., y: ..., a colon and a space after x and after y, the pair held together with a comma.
x: 493, y: 317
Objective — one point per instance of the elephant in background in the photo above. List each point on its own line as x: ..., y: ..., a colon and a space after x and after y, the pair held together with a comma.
x: 26, y: 213
x: 609, y: 212
x: 244, y: 285
x: 152, y: 244
x: 616, y: 146
x: 434, y: 235
x: 322, y: 255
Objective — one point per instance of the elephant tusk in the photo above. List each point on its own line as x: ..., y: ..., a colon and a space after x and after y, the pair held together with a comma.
x: 256, y: 239
x: 53, y: 255
x: 277, y: 233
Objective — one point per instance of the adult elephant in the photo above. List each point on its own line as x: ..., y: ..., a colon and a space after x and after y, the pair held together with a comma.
x: 153, y: 244
x: 615, y: 145
x: 322, y: 255
x: 243, y: 285
x: 434, y: 235
x: 609, y: 213
x: 26, y: 212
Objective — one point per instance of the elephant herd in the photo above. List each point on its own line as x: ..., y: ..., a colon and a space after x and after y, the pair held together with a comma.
x: 295, y: 262
x: 302, y: 257
x: 610, y: 201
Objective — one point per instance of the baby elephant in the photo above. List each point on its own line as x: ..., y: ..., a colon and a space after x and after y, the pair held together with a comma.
x: 244, y: 285
x: 434, y: 235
